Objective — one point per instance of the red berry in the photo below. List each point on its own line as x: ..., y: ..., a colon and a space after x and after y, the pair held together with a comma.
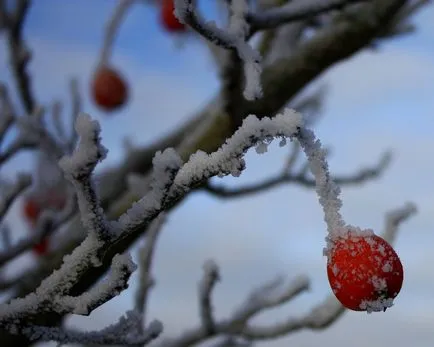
x: 41, y: 248
x: 364, y: 272
x: 31, y: 210
x: 109, y: 89
x: 168, y: 18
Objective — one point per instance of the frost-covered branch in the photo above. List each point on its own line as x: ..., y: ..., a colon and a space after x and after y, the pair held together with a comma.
x: 117, y: 281
x: 78, y: 169
x: 171, y: 180
x: 232, y: 39
x: 53, y: 293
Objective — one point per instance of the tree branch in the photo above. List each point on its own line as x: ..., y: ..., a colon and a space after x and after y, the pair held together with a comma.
x: 295, y: 11
x: 301, y: 178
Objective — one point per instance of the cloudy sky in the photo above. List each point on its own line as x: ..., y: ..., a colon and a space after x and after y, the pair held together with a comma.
x: 377, y: 101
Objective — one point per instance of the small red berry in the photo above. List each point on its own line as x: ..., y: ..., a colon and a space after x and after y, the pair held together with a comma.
x: 109, y: 89
x: 364, y: 272
x: 168, y: 18
x: 41, y: 248
x: 31, y: 210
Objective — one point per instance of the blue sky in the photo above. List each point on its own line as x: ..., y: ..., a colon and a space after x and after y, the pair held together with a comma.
x: 376, y: 101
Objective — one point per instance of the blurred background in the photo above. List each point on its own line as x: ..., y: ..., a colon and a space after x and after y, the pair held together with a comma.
x: 376, y: 101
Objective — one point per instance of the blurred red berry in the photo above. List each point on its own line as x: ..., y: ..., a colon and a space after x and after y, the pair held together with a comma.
x: 41, y: 248
x: 31, y: 210
x: 109, y: 89
x: 364, y: 272
x: 168, y: 18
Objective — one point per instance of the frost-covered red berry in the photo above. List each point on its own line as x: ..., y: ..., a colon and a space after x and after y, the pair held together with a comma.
x: 168, y: 18
x: 109, y: 89
x: 364, y: 272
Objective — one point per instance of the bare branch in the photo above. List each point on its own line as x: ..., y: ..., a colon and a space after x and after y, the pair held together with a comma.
x: 295, y: 11
x: 210, y: 277
x: 111, y: 29
x: 11, y: 192
x: 146, y: 254
x: 56, y: 116
x: 395, y: 218
x: 260, y: 299
x: 399, y: 25
x: 7, y: 113
x: 265, y: 297
x: 287, y: 76
x: 75, y: 111
x: 300, y: 178
x: 318, y: 318
x: 20, y: 54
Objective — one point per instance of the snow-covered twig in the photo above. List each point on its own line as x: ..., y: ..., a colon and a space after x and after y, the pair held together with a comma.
x: 186, y: 13
x: 78, y: 169
x: 328, y: 192
x: 104, y: 291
